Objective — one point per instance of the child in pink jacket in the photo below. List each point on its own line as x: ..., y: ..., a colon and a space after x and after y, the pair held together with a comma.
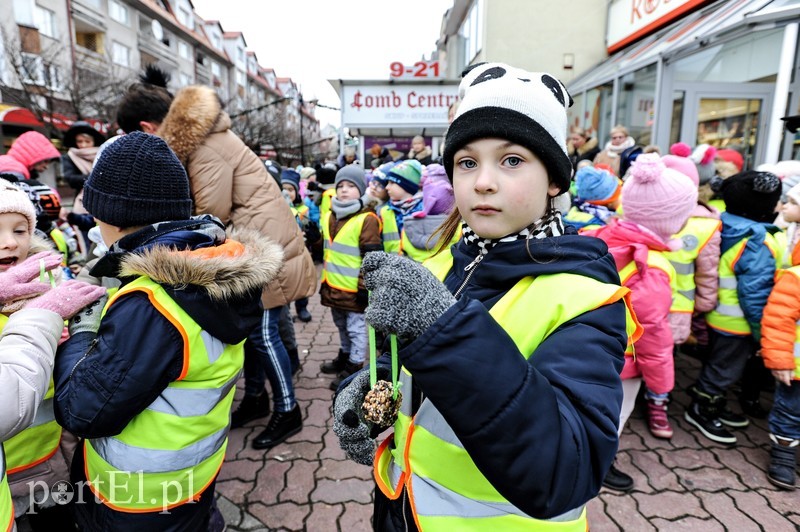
x: 657, y: 202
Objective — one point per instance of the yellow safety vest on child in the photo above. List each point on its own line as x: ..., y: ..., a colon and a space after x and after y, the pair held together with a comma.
x: 342, y: 254
x: 170, y: 453
x: 390, y: 234
x: 6, y: 505
x: 694, y: 236
x: 446, y: 489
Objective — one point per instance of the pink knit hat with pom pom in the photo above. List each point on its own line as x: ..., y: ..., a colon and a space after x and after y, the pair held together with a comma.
x: 678, y: 159
x: 658, y: 198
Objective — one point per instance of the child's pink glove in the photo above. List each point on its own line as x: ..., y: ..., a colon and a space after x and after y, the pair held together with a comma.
x: 22, y: 281
x: 68, y: 298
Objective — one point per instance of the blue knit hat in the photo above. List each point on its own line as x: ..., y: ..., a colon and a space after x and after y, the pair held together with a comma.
x: 291, y: 177
x: 379, y: 174
x: 137, y: 181
x: 596, y: 185
x: 407, y: 174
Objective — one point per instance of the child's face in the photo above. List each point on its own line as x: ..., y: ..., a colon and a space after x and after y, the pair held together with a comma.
x: 289, y: 189
x: 347, y: 191
x: 396, y: 192
x: 15, y: 240
x: 378, y: 191
x: 84, y: 141
x: 500, y: 187
x: 791, y: 211
x: 41, y: 166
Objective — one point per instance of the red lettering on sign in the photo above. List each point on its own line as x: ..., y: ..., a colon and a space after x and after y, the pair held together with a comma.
x: 357, y: 100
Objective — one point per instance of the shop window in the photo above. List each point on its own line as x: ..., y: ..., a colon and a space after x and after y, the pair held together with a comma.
x: 753, y: 58
x: 575, y: 113
x: 677, y: 117
x: 794, y: 152
x: 598, y: 107
x: 636, y: 103
x: 730, y: 123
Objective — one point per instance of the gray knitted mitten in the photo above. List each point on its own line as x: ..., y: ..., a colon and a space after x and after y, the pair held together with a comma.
x: 349, y: 425
x: 406, y: 298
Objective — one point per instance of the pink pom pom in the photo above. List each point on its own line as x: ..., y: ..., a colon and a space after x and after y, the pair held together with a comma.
x: 647, y: 168
x: 681, y: 149
x: 709, y: 155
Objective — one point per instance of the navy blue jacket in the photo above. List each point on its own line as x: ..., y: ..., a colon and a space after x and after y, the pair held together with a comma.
x: 544, y: 430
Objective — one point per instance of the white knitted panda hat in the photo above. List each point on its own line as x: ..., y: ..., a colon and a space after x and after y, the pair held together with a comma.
x: 527, y: 108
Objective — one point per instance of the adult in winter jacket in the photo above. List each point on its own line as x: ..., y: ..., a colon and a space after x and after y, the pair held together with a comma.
x: 619, y: 141
x: 229, y: 181
x: 582, y: 147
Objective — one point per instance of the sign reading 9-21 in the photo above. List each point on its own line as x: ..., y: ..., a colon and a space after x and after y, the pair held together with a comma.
x: 419, y: 70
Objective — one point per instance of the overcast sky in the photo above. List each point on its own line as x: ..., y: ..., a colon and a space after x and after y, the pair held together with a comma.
x: 312, y: 41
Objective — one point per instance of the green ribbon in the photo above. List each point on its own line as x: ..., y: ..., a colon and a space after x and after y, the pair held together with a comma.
x: 43, y: 277
x: 373, y: 361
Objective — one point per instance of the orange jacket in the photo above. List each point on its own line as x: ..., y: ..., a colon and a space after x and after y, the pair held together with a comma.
x: 779, y: 324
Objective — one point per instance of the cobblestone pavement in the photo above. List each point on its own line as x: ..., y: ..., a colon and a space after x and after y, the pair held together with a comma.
x: 307, y: 483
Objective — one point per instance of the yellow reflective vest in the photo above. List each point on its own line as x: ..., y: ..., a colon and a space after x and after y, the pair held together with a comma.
x: 325, y: 203
x: 414, y: 253
x: 299, y: 211
x: 694, y: 236
x: 168, y: 454
x: 61, y: 244
x: 728, y: 317
x: 37, y: 443
x: 6, y: 505
x: 342, y: 254
x: 446, y: 489
x: 718, y: 204
x: 390, y: 232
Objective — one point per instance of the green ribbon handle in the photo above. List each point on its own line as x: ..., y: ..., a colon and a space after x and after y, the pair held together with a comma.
x: 373, y: 361
x: 43, y: 277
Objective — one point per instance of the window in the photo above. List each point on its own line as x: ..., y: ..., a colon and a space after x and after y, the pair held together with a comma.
x: 90, y: 41
x: 118, y: 12
x: 185, y: 17
x: 183, y: 50
x: 636, y: 103
x: 472, y: 31
x: 23, y: 12
x: 215, y: 69
x: 32, y: 68
x: 120, y: 54
x: 241, y: 78
x: 185, y: 79
x: 216, y: 40
x: 240, y: 54
x: 45, y: 20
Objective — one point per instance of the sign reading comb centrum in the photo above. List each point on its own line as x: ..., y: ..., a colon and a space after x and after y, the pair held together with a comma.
x: 397, y: 104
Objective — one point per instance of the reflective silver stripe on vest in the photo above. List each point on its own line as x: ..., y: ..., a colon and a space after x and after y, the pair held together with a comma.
x: 346, y: 271
x: 394, y: 472
x: 2, y: 462
x: 391, y: 236
x: 44, y: 414
x: 429, y: 418
x: 432, y: 499
x: 728, y: 283
x: 796, y: 350
x: 214, y: 346
x: 344, y: 249
x: 124, y: 457
x: 406, y: 383
x: 688, y: 294
x: 734, y: 311
x: 190, y: 402
x: 682, y: 268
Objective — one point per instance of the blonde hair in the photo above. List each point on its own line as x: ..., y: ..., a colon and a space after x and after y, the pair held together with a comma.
x: 620, y: 129
x: 577, y: 130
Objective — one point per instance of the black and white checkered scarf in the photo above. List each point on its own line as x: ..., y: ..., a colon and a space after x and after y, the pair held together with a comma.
x: 547, y: 226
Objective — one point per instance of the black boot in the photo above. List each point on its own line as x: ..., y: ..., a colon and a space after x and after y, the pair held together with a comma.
x: 725, y: 414
x: 252, y: 407
x: 703, y: 413
x: 617, y: 480
x: 782, y: 461
x: 337, y: 364
x: 294, y: 360
x: 348, y: 370
x: 301, y: 307
x: 281, y: 426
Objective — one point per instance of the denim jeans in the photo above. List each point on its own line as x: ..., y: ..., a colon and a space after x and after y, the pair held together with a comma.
x: 784, y: 419
x: 352, y: 333
x: 265, y: 354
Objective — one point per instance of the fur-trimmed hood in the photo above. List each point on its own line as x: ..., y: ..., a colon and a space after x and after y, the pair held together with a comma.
x: 244, y: 264
x: 195, y: 113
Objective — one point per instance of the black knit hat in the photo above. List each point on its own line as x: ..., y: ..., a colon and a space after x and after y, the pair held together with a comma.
x: 526, y: 108
x: 753, y: 195
x: 82, y: 128
x: 137, y: 181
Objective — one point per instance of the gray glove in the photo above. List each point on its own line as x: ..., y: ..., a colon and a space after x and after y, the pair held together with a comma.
x: 88, y: 319
x: 354, y: 432
x: 406, y: 298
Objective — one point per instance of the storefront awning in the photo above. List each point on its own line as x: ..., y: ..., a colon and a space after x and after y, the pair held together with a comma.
x: 700, y: 28
x: 19, y: 116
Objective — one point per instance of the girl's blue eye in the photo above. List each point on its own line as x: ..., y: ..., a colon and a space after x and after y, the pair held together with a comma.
x: 513, y: 161
x: 467, y: 164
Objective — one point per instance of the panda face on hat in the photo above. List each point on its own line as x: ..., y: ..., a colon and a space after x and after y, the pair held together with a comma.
x: 527, y: 108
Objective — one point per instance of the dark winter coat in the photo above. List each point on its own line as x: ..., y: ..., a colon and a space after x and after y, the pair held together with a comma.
x: 544, y: 430
x: 103, y: 382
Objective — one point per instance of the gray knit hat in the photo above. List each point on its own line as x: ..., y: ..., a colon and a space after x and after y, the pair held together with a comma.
x: 136, y: 181
x: 354, y: 174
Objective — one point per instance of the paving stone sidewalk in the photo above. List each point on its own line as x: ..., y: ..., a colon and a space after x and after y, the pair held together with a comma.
x: 687, y: 483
